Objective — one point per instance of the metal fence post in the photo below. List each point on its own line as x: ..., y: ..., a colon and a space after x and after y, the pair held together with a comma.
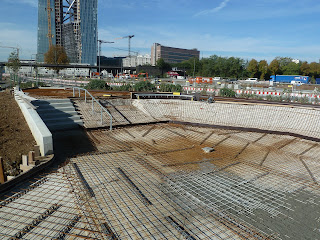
x: 85, y: 96
x: 79, y: 92
x: 92, y: 105
x: 73, y: 92
x: 101, y: 116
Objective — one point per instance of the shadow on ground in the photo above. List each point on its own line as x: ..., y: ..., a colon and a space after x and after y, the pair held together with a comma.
x: 69, y: 143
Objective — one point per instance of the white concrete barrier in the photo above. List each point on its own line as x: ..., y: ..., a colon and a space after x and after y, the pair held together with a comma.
x: 39, y: 130
x: 295, y: 120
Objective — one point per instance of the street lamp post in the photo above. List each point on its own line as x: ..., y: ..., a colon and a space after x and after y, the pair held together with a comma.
x: 31, y: 63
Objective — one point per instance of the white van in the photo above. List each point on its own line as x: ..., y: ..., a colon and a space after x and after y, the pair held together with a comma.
x: 252, y: 80
x: 296, y: 82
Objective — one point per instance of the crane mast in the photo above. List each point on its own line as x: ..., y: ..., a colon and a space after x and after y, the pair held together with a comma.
x: 50, y: 36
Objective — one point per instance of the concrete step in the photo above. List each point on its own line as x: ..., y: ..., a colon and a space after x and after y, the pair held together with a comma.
x: 58, y: 114
x: 53, y: 114
x: 65, y: 122
x: 50, y: 101
x: 56, y: 105
x: 63, y: 126
x: 52, y: 109
x: 74, y: 118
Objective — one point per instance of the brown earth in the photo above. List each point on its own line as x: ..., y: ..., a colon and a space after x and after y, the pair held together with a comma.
x: 15, y: 136
x: 68, y: 93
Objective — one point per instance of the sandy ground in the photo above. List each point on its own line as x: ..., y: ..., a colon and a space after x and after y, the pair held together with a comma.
x: 15, y: 136
x: 68, y: 93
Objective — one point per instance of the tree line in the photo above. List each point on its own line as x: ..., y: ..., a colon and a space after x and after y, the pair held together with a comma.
x: 233, y: 67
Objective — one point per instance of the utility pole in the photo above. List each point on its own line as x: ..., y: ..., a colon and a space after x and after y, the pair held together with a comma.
x: 194, y: 66
x: 100, y: 42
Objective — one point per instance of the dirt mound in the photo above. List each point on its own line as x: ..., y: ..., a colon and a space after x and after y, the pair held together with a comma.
x: 15, y: 136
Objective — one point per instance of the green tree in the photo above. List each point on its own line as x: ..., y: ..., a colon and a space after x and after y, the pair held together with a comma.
x: 291, y: 69
x: 236, y: 66
x: 164, y: 66
x: 283, y: 63
x: 314, y: 71
x: 253, y: 68
x: 274, y: 67
x: 263, y: 69
x: 14, y: 64
x: 56, y: 55
x: 305, y: 68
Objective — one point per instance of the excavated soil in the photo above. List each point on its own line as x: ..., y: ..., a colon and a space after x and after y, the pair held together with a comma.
x: 15, y: 136
x: 68, y: 93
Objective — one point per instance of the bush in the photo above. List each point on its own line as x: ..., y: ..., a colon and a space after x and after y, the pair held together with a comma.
x: 226, y: 92
x: 269, y: 98
x: 144, y: 86
x: 170, y: 88
x: 31, y: 84
x: 125, y: 87
x: 96, y: 84
x: 304, y: 100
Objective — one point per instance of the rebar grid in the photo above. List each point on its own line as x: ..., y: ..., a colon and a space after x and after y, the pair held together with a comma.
x: 25, y: 216
x: 250, y: 176
x: 275, y: 181
x: 121, y: 114
x: 128, y: 203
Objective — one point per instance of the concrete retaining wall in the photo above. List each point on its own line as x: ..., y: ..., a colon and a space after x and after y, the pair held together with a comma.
x: 297, y: 120
x: 39, y: 130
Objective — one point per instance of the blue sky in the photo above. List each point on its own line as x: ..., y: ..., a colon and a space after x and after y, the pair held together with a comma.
x: 260, y: 29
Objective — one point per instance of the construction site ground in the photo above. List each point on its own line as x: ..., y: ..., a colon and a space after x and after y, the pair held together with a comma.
x: 15, y: 136
x: 154, y: 181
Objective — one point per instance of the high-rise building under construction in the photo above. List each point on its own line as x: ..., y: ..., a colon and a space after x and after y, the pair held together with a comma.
x: 71, y: 24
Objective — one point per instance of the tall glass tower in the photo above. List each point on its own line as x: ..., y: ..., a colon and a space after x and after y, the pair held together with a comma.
x: 71, y: 24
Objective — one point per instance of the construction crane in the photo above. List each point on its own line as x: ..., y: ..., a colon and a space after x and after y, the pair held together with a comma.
x: 100, y: 42
x: 17, y: 49
x: 129, y: 48
x: 50, y: 36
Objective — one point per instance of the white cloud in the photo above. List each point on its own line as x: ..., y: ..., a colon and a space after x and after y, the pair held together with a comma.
x: 213, y: 10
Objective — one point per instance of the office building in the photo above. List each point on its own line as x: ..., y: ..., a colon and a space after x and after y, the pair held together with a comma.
x: 135, y: 61
x: 71, y: 24
x: 171, y: 54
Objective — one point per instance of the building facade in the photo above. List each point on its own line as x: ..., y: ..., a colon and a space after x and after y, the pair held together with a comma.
x: 135, y: 61
x: 171, y: 54
x: 30, y: 71
x: 71, y: 24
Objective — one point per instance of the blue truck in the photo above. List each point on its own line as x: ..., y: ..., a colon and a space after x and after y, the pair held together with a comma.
x: 290, y: 79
